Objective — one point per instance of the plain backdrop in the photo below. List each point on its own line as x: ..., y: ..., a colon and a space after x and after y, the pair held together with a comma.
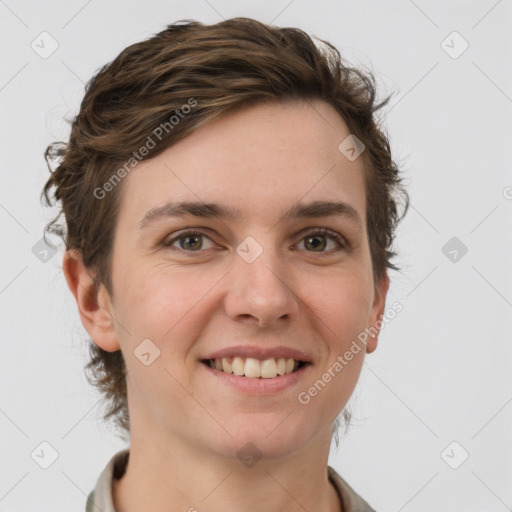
x: 433, y: 407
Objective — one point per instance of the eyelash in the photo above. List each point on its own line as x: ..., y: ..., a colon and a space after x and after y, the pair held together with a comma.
x: 339, y: 239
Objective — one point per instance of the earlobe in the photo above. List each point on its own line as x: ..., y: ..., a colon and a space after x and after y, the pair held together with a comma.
x: 377, y: 314
x: 93, y: 301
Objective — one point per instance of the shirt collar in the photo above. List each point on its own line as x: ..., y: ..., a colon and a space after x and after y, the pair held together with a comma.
x: 100, y: 498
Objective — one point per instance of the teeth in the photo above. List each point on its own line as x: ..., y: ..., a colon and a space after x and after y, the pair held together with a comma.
x: 281, y: 366
x: 269, y: 368
x: 254, y: 368
x: 226, y: 365
x: 238, y: 366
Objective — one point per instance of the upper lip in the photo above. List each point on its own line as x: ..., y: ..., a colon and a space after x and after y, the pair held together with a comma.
x: 260, y: 353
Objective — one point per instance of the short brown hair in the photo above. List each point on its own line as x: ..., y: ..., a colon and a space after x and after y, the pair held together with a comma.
x: 221, y: 67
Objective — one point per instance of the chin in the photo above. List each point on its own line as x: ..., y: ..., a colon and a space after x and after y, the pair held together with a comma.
x: 263, y: 436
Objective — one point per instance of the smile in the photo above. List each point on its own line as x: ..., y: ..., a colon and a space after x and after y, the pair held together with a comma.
x: 255, y: 368
x: 269, y: 381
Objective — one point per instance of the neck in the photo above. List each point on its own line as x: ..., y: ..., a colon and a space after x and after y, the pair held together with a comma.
x: 175, y: 475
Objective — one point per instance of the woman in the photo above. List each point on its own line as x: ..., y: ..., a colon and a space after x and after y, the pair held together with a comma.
x: 230, y: 204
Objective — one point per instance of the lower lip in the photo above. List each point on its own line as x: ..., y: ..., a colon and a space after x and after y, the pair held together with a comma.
x: 259, y: 386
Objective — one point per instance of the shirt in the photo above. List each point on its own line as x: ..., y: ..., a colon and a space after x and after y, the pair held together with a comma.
x: 100, y: 498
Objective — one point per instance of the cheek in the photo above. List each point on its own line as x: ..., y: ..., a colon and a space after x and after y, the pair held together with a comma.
x: 330, y: 389
x: 341, y: 306
x: 164, y: 304
x: 348, y: 317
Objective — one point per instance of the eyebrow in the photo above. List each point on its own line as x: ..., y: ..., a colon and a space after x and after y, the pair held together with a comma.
x: 218, y: 211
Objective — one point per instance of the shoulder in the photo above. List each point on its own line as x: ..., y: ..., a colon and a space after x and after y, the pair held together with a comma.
x: 352, y: 502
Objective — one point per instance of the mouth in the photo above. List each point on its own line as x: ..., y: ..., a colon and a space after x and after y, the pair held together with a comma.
x: 252, y: 368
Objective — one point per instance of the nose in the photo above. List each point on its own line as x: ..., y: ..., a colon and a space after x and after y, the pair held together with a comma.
x: 260, y: 292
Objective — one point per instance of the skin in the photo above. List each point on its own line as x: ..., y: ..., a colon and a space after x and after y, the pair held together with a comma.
x: 185, y: 429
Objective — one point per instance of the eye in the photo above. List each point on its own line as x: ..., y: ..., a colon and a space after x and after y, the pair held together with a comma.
x: 190, y: 241
x: 314, y: 239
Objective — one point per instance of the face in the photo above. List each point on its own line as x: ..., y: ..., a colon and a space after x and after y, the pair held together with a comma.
x: 259, y: 279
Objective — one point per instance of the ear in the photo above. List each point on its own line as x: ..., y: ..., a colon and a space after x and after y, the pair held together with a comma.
x: 377, y: 312
x: 94, y: 304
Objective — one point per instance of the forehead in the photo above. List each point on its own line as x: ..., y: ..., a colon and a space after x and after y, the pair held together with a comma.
x: 259, y: 160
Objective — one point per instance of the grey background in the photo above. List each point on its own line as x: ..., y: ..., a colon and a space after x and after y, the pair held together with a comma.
x: 441, y: 372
